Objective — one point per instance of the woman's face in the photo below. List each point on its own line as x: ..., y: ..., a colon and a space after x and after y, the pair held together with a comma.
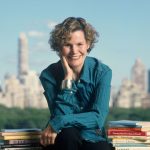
x: 75, y: 50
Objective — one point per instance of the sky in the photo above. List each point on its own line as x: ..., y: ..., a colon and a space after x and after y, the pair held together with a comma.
x: 123, y: 26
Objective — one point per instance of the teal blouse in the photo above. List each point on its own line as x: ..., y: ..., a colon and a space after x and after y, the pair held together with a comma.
x: 86, y: 105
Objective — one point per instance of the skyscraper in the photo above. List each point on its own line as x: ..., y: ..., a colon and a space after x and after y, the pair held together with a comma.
x: 149, y: 81
x: 138, y: 74
x: 24, y: 90
x: 23, y: 55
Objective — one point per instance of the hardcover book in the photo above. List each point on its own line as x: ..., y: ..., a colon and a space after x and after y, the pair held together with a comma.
x: 132, y: 148
x: 130, y: 123
x: 21, y: 137
x: 21, y: 130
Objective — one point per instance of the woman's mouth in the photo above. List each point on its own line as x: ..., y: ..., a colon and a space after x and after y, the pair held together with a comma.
x: 74, y: 57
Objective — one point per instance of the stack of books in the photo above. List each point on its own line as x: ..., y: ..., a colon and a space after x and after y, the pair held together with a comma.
x: 23, y: 139
x: 129, y: 134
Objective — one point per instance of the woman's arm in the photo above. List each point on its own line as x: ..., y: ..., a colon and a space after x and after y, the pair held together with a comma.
x: 96, y: 116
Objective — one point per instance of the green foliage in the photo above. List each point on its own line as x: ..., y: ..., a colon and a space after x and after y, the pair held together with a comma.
x: 23, y: 118
x: 31, y: 117
x: 129, y: 114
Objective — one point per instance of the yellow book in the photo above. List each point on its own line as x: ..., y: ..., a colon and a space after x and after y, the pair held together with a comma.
x: 127, y: 140
x: 20, y: 133
x: 130, y: 137
x: 19, y: 137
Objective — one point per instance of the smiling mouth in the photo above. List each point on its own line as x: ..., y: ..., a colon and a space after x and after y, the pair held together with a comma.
x: 74, y: 57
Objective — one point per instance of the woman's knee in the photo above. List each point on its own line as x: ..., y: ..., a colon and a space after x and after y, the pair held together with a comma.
x: 69, y: 134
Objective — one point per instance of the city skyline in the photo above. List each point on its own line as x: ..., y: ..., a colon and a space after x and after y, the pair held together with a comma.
x: 123, y: 28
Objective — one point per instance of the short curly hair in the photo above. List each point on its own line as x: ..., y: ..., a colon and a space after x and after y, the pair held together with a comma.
x: 61, y: 33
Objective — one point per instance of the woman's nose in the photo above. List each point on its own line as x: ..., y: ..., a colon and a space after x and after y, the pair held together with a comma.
x: 74, y: 48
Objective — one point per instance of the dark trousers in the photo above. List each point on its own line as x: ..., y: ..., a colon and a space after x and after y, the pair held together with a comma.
x: 70, y: 139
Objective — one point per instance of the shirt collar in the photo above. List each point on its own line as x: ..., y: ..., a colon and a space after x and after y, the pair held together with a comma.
x: 85, y: 74
x: 90, y: 66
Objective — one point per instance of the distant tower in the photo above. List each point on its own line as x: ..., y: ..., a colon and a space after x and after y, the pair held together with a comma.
x: 23, y: 55
x: 138, y: 74
x: 149, y: 81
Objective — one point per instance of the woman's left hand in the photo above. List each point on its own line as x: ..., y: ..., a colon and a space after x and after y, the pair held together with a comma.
x: 48, y: 136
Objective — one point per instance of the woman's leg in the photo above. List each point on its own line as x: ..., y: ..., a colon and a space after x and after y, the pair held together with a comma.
x: 68, y: 139
x: 102, y: 145
x: 49, y: 147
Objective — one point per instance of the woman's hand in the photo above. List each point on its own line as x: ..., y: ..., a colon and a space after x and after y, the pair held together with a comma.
x: 48, y: 136
x: 68, y: 71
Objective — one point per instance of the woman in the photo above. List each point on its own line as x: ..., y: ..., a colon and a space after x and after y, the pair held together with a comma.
x: 77, y: 89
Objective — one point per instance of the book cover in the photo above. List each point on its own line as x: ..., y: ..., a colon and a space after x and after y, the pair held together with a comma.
x: 17, y: 137
x: 19, y: 146
x: 132, y: 148
x: 130, y: 145
x: 123, y: 125
x: 132, y: 133
x: 126, y: 140
x: 130, y: 123
x: 21, y: 141
x: 129, y: 137
x: 24, y: 148
x: 20, y: 133
x: 125, y: 128
x: 21, y: 130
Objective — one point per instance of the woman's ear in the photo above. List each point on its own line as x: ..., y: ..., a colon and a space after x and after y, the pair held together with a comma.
x: 88, y: 45
x: 58, y: 53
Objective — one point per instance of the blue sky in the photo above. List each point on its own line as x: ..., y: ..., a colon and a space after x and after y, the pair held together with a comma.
x: 124, y: 28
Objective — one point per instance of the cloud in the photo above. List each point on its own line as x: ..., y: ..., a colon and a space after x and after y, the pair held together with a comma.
x: 40, y: 46
x: 51, y: 24
x: 36, y: 34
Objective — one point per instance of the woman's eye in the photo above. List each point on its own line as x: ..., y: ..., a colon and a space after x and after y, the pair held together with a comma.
x: 80, y: 44
x: 67, y: 45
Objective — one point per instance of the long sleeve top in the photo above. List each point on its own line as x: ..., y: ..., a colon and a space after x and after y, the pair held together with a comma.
x: 85, y: 105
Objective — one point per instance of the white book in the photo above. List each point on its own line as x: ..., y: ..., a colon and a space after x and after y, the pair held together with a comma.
x: 24, y: 148
x: 132, y: 148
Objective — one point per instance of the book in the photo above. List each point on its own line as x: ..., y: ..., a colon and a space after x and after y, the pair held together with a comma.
x: 24, y: 148
x: 131, y: 145
x: 21, y: 130
x: 19, y: 145
x: 129, y: 128
x: 126, y: 140
x: 124, y: 129
x: 130, y: 132
x: 130, y: 123
x: 28, y: 141
x: 129, y: 137
x: 21, y: 137
x: 131, y: 148
x: 20, y: 133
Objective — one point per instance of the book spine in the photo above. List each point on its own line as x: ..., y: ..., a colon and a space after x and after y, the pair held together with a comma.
x: 129, y: 141
x: 129, y: 137
x: 19, y: 133
x: 19, y: 146
x: 25, y: 137
x: 130, y: 145
x: 21, y: 141
x: 124, y: 129
x: 132, y: 148
x: 21, y: 130
x: 27, y: 148
x: 129, y: 133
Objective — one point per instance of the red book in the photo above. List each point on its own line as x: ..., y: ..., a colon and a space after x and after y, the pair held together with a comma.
x: 124, y: 129
x: 128, y: 133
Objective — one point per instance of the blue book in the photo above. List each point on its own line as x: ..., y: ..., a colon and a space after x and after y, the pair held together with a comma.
x: 129, y: 123
x: 21, y: 130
